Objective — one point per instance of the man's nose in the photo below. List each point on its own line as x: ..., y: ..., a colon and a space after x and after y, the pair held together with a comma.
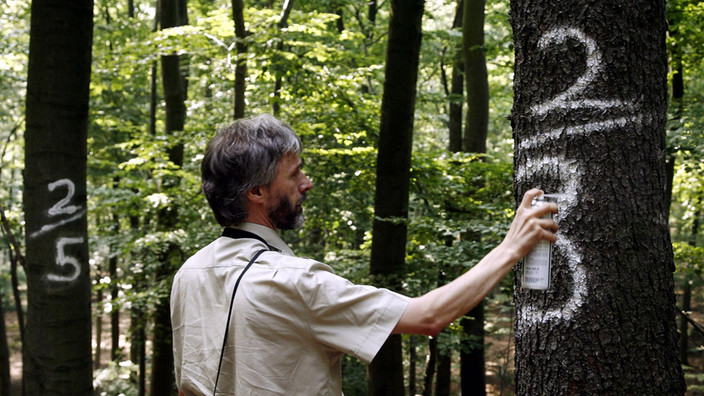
x: 306, y: 185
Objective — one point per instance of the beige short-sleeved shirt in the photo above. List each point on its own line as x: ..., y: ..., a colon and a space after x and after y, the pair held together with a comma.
x: 292, y: 320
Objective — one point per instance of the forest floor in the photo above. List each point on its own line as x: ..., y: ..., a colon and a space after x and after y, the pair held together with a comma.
x: 499, y: 351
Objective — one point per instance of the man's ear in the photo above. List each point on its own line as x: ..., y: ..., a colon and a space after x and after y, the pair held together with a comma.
x: 256, y: 194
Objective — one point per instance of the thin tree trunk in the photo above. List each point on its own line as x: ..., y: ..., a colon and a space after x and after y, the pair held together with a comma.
x: 457, y: 90
x: 473, y: 372
x: 475, y: 72
x: 430, y: 367
x: 393, y: 173
x: 115, y: 313
x: 472, y: 365
x: 15, y: 258
x: 687, y: 296
x: 98, y: 328
x: 283, y: 22
x: 444, y: 381
x: 412, y: 364
x: 589, y: 124
x: 57, y: 358
x: 162, y: 375
x: 4, y: 355
x: 241, y: 67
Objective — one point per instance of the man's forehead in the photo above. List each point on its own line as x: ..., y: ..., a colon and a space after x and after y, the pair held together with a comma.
x: 291, y: 160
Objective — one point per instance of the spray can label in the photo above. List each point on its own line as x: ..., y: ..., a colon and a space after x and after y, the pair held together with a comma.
x: 536, y: 265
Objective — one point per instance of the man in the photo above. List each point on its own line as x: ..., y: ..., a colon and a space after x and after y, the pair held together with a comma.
x: 292, y: 318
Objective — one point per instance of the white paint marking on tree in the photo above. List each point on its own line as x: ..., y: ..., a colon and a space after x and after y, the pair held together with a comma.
x: 60, y: 207
x: 568, y: 172
x: 48, y: 227
x: 566, y: 100
x: 598, y: 126
x: 63, y: 260
x: 565, y: 170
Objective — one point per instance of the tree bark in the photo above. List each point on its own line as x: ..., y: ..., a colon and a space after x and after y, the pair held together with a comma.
x: 392, y: 175
x: 590, y: 95
x: 241, y: 67
x: 412, y: 364
x: 162, y: 375
x: 283, y: 22
x: 57, y: 353
x: 444, y: 380
x: 475, y: 72
x: 430, y: 367
x: 473, y: 370
x: 98, y: 329
x: 687, y: 296
x: 457, y: 90
x: 4, y: 355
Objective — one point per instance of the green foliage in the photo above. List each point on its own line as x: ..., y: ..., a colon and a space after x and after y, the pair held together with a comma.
x: 117, y: 379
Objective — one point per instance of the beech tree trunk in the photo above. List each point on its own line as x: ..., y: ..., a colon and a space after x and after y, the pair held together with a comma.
x: 393, y: 176
x: 162, y: 375
x: 57, y: 353
x: 589, y: 123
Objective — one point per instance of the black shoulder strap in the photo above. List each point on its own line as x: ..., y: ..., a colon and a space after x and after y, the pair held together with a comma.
x: 232, y: 301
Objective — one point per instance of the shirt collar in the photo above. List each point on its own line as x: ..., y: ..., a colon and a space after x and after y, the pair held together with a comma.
x: 270, y: 236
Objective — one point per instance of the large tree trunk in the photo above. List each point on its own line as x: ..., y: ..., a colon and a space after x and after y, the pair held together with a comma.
x: 475, y: 72
x: 57, y: 354
x: 589, y: 123
x: 162, y: 375
x: 393, y: 172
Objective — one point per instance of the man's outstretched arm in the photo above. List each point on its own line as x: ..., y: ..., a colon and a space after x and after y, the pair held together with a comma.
x: 433, y: 311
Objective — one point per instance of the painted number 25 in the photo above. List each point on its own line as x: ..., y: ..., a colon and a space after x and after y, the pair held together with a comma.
x: 62, y: 207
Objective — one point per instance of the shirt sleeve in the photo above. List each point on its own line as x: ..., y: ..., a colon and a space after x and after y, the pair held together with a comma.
x: 351, y: 318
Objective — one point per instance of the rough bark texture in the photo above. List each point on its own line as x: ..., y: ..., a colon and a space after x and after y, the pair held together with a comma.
x: 393, y: 172
x: 57, y: 354
x: 589, y: 123
x: 475, y: 72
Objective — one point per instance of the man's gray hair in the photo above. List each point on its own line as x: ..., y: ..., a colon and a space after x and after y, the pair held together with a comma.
x: 240, y: 157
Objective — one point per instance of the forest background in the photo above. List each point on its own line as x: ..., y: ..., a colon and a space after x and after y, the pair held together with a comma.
x: 318, y: 65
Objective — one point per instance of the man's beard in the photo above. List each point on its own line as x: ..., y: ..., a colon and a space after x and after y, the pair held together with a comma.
x: 287, y: 217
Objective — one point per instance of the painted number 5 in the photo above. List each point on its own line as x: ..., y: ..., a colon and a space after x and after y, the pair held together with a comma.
x: 62, y: 260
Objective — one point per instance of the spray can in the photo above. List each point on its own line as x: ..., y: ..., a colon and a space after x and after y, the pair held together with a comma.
x: 536, y: 265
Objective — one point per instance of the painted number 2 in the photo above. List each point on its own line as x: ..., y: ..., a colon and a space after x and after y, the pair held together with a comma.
x: 62, y: 207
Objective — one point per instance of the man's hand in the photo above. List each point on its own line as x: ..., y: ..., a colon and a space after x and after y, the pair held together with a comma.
x: 431, y: 312
x: 528, y: 228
